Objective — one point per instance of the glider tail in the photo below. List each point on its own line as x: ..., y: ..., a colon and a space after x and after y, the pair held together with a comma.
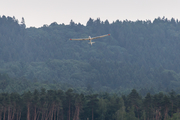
x: 91, y: 43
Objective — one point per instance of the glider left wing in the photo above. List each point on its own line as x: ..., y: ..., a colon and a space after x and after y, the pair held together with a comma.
x: 81, y: 39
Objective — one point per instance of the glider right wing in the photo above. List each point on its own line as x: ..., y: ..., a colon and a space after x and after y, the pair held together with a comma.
x: 101, y: 36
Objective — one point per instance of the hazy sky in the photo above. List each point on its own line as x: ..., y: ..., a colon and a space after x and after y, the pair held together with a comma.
x: 39, y: 12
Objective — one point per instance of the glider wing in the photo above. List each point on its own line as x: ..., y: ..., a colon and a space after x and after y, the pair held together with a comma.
x: 81, y: 39
x: 100, y: 36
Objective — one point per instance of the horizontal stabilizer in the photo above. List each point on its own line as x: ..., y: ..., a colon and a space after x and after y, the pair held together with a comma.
x: 91, y: 43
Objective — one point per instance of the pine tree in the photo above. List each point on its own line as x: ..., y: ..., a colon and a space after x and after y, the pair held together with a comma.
x: 92, y: 103
x: 69, y: 98
x: 147, y: 105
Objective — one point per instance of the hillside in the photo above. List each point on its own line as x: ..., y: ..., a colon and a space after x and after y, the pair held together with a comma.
x: 140, y: 54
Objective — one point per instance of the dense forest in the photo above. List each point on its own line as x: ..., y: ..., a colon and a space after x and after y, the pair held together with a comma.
x: 139, y: 54
x: 69, y: 105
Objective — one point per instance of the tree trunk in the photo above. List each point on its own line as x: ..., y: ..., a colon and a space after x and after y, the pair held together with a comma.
x: 55, y: 114
x: 38, y: 114
x: 19, y: 115
x: 58, y: 113
x: 0, y: 114
x: 28, y: 111
x: 62, y: 117
x: 74, y: 118
x: 4, y: 116
x: 78, y: 111
x: 9, y: 112
x: 35, y: 113
x: 92, y: 114
x: 52, y: 111
x: 76, y: 114
x: 43, y: 114
x: 69, y: 110
x: 166, y: 113
x: 13, y: 112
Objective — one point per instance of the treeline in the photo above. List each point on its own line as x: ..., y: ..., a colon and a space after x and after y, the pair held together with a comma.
x: 139, y: 54
x: 145, y: 43
x: 69, y: 105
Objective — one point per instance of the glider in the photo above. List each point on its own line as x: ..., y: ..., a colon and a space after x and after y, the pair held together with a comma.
x: 91, y: 38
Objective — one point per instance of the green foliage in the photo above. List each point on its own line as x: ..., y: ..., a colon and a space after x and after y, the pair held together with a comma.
x: 109, y: 76
x: 131, y: 115
x: 59, y: 104
x: 176, y: 116
x: 140, y: 54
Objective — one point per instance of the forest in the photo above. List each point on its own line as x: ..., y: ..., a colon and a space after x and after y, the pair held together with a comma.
x: 134, y: 74
x: 141, y: 55
x: 69, y: 105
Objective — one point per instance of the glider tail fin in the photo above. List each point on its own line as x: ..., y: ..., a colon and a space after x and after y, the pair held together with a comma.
x: 91, y: 43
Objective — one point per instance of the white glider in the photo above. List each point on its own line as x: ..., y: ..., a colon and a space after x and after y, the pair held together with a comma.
x: 91, y: 38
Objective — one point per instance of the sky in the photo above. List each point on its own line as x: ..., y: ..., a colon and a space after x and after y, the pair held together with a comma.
x: 44, y: 12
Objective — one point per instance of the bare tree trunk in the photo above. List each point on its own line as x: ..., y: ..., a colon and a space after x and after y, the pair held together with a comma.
x: 35, y: 113
x: 57, y: 113
x: 13, y: 112
x: 28, y: 111
x: 0, y: 114
x: 157, y: 114
x: 9, y: 112
x: 43, y: 114
x: 17, y: 115
x: 62, y: 115
x: 78, y: 111
x: 49, y: 114
x: 166, y: 113
x: 52, y: 111
x: 74, y: 118
x: 42, y: 117
x: 92, y: 114
x: 69, y: 110
x: 46, y: 115
x: 4, y: 116
x: 38, y: 114
x: 20, y: 116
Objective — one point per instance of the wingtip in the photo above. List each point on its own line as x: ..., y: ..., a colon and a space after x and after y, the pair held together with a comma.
x: 109, y: 34
x: 70, y: 39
